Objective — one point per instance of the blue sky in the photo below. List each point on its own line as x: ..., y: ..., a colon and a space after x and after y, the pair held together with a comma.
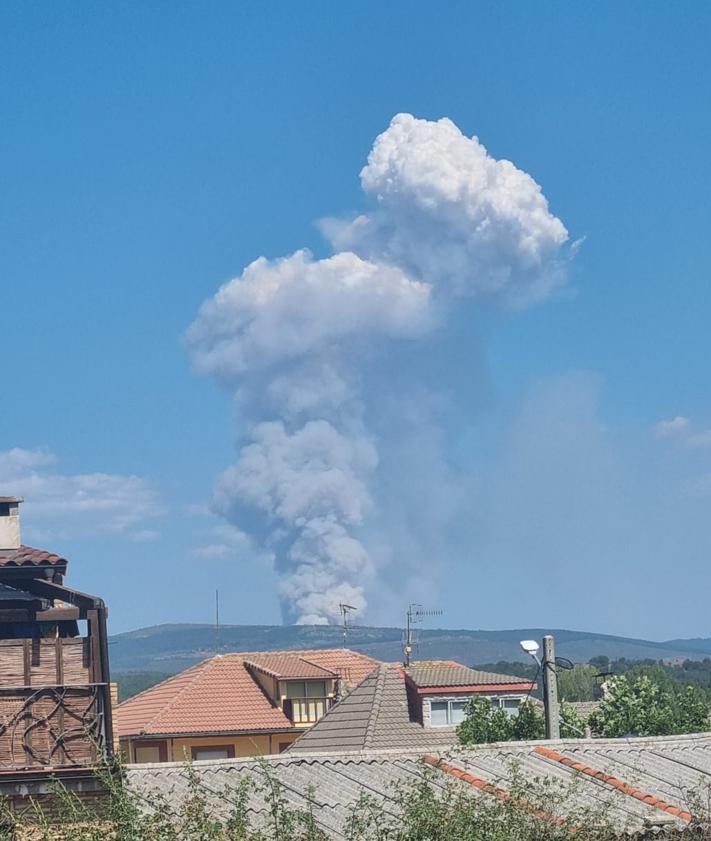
x: 150, y: 153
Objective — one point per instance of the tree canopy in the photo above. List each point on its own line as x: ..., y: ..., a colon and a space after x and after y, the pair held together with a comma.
x: 642, y: 706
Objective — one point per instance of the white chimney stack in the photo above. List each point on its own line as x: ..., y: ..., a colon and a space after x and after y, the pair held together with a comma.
x: 10, y: 522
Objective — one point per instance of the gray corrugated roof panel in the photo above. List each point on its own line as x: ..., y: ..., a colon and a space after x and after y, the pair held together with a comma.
x: 648, y: 782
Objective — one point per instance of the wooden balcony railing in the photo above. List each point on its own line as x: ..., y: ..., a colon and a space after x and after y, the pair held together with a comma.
x: 306, y: 710
x: 44, y: 727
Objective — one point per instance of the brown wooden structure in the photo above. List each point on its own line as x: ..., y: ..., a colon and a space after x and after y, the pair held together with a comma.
x: 55, y: 695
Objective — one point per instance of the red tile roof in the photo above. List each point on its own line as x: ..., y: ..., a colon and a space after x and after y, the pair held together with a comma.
x: 288, y: 666
x: 26, y: 556
x: 220, y: 695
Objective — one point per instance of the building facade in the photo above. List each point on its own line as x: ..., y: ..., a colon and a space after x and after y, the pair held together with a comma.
x: 236, y: 705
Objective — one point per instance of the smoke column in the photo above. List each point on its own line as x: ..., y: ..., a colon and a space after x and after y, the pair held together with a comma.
x: 300, y: 342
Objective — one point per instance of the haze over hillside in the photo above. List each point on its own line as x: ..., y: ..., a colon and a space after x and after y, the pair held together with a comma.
x: 171, y: 648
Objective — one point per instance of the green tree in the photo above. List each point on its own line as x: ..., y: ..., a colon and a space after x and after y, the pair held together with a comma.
x: 601, y: 663
x: 529, y: 723
x: 578, y: 683
x: 642, y: 706
x: 484, y: 723
x: 572, y: 726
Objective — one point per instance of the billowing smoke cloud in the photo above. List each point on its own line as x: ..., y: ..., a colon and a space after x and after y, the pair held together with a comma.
x: 300, y: 343
x: 449, y: 213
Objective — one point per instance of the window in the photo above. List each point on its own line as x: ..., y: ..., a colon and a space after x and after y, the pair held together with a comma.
x: 439, y: 713
x: 306, y: 689
x: 456, y: 711
x: 315, y: 689
x: 150, y: 751
x: 296, y: 689
x: 306, y: 700
x: 443, y: 713
x: 508, y: 704
x: 212, y: 752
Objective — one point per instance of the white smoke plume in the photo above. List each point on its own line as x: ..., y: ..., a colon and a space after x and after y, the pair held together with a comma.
x: 449, y: 213
x: 300, y: 342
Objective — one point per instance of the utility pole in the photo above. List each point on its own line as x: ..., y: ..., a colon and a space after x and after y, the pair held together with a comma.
x: 550, y: 689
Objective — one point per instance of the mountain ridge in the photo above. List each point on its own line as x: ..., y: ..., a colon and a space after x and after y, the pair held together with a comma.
x: 172, y: 647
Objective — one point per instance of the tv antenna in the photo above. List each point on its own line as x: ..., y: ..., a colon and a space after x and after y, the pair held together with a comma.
x: 415, y: 613
x: 346, y: 610
x: 217, y: 621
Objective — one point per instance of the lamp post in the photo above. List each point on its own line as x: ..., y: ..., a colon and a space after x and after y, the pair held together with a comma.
x: 550, y: 683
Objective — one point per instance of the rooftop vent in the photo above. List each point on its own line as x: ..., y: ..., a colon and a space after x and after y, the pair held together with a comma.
x: 10, y: 522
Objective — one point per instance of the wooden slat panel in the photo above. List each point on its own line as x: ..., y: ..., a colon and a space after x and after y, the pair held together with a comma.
x: 76, y: 669
x: 12, y: 663
x: 27, y: 663
x: 44, y: 673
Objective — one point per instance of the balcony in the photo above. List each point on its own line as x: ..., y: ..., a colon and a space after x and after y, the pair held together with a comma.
x: 305, y: 711
x: 51, y: 726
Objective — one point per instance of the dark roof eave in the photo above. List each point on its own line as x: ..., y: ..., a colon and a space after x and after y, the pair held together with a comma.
x: 477, y: 687
x: 206, y: 734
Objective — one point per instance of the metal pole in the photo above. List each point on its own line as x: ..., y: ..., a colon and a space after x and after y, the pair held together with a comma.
x: 217, y: 621
x: 408, y: 638
x: 550, y: 689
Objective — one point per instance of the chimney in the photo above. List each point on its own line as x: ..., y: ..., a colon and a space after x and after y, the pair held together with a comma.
x: 10, y: 522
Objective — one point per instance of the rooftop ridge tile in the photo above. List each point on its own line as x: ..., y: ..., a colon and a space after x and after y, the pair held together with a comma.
x: 615, y: 783
x: 378, y: 692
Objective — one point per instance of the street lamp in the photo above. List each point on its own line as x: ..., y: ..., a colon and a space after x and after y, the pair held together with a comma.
x: 550, y: 686
x: 531, y: 647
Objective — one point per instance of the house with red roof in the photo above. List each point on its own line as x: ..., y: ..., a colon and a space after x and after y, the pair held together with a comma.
x: 242, y: 704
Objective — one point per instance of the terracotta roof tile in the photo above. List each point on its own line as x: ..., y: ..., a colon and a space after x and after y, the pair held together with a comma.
x: 288, y: 665
x: 220, y: 695
x: 27, y: 556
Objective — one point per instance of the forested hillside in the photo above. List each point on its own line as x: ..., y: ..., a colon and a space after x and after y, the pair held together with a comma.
x: 166, y: 649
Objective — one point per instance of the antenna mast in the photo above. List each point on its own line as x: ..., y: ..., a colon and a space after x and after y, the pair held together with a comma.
x: 217, y: 621
x: 415, y: 613
x: 346, y: 610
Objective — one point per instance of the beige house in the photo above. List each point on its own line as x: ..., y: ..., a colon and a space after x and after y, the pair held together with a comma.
x: 232, y: 705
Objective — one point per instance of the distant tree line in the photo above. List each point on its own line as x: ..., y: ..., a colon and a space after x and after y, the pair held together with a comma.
x: 584, y: 681
x: 131, y: 683
x: 635, y: 698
